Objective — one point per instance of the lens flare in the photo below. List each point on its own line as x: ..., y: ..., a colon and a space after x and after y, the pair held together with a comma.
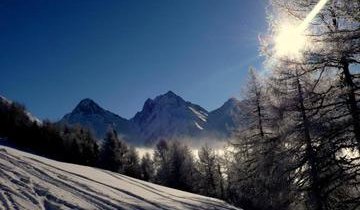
x: 290, y: 40
x: 318, y: 7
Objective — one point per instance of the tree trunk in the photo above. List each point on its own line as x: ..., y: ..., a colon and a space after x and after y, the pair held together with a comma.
x: 258, y: 109
x: 315, y: 199
x: 351, y: 99
x: 220, y: 181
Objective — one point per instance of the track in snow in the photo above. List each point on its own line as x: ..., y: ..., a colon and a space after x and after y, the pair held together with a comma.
x: 31, y: 182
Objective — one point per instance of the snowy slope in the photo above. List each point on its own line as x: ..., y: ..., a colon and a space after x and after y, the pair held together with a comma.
x: 31, y: 182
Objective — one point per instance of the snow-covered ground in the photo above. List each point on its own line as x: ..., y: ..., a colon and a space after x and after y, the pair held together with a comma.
x: 31, y: 182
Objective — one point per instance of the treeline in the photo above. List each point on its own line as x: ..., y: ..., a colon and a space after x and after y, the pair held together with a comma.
x: 172, y: 164
x: 69, y: 144
x: 75, y: 145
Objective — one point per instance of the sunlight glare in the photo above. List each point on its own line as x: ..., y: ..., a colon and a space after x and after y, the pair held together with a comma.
x: 290, y: 40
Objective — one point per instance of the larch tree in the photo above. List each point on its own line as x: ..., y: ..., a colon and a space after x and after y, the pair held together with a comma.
x: 147, y: 168
x: 258, y: 175
x: 324, y: 86
x: 210, y: 175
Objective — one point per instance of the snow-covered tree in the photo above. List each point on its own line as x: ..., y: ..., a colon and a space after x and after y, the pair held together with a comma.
x: 147, y: 168
x: 257, y: 177
x: 175, y: 165
x: 319, y: 93
x: 131, y: 165
x: 210, y: 175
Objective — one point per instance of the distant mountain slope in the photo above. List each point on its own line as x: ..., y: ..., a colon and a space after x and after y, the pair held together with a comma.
x: 89, y: 114
x: 32, y: 182
x: 223, y: 121
x: 169, y: 116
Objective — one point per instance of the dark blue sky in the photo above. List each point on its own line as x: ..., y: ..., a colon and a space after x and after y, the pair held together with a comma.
x: 121, y: 52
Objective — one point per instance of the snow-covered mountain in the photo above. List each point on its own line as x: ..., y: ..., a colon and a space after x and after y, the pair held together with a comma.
x: 223, y: 121
x: 167, y: 116
x: 32, y: 182
x: 89, y: 114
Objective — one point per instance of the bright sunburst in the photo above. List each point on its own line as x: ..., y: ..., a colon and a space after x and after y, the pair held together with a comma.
x: 290, y: 40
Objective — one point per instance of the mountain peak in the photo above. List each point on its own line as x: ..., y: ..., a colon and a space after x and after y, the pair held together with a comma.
x: 232, y: 101
x: 169, y: 98
x: 223, y: 121
x: 230, y: 104
x: 171, y: 94
x: 90, y: 115
x: 169, y: 116
x: 87, y: 105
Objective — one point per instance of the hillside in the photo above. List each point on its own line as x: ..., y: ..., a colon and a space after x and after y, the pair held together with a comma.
x: 31, y: 182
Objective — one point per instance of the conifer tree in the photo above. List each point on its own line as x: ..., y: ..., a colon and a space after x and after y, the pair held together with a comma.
x: 147, y: 168
x: 109, y: 156
x: 209, y: 177
x: 132, y: 164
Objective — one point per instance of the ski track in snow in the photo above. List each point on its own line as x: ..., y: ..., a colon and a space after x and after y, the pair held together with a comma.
x: 31, y: 182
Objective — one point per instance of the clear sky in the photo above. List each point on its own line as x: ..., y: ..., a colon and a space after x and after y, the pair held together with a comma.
x: 121, y: 52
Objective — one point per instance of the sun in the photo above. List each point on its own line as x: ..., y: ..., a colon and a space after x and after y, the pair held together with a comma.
x: 290, y: 41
